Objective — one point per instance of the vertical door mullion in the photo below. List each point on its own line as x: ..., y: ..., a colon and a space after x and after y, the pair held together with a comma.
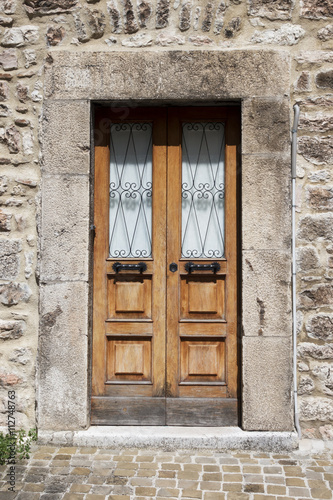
x: 173, y: 249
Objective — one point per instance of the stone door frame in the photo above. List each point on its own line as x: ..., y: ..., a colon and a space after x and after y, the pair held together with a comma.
x: 259, y: 80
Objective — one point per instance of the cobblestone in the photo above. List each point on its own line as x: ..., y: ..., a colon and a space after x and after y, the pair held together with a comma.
x: 155, y: 474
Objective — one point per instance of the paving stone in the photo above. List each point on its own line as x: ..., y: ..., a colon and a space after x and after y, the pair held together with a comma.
x: 191, y: 493
x: 212, y: 476
x: 295, y: 481
x: 274, y: 489
x: 274, y: 479
x: 94, y: 497
x: 211, y: 468
x: 214, y: 496
x: 235, y: 495
x: 254, y: 488
x: 119, y: 497
x: 80, y: 488
x: 251, y: 469
x: 167, y: 473
x: 232, y: 487
x: 73, y: 496
x: 145, y: 491
x: 33, y: 487
x: 81, y: 471
x: 321, y: 493
x: 232, y: 478
x: 166, y: 483
x: 299, y: 492
x: 168, y: 492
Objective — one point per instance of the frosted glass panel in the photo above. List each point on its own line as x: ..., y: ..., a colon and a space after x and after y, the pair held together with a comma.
x: 203, y: 190
x: 130, y: 190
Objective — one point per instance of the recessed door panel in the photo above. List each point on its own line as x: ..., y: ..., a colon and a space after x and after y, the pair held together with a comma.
x: 164, y: 307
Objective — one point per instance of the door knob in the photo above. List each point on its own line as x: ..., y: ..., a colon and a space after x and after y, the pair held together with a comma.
x: 173, y: 267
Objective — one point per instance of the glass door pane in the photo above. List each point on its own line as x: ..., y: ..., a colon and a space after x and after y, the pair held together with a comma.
x: 130, y: 212
x: 203, y: 146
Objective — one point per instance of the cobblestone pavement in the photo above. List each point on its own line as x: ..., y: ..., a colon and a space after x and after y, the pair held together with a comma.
x: 96, y: 474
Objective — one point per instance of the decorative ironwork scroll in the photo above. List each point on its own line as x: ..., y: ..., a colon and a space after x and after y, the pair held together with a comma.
x: 203, y: 147
x: 130, y: 219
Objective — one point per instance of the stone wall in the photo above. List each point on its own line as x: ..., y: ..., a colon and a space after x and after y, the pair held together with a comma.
x: 32, y: 30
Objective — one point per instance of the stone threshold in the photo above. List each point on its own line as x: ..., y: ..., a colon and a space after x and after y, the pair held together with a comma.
x: 172, y: 438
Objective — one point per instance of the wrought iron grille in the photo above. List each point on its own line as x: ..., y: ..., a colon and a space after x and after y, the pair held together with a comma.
x: 203, y: 147
x: 130, y: 190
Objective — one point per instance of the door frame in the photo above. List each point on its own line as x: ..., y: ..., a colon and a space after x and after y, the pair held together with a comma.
x: 260, y: 80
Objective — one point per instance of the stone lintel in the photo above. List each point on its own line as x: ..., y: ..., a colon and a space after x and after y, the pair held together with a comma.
x: 188, y: 75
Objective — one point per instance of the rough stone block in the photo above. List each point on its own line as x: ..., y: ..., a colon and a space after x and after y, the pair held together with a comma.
x: 8, y: 59
x: 266, y: 126
x: 317, y: 150
x: 323, y: 374
x: 320, y: 327
x: 4, y: 91
x: 266, y: 293
x: 324, y: 80
x: 316, y: 409
x: 5, y: 221
x: 65, y: 228
x: 325, y: 34
x: 162, y: 13
x: 177, y: 75
x: 63, y: 381
x: 271, y: 9
x: 320, y: 198
x: 316, y: 9
x: 55, y: 35
x: 307, y: 259
x: 266, y: 194
x: 267, y: 384
x: 8, y: 6
x: 305, y: 386
x: 19, y: 37
x: 288, y: 34
x: 303, y: 83
x: 317, y: 296
x: 89, y: 24
x: 312, y: 227
x: 316, y: 123
x: 9, y: 258
x: 10, y: 330
x: 38, y: 7
x: 13, y: 293
x: 66, y: 137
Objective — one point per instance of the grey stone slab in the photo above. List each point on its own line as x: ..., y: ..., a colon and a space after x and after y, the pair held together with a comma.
x: 266, y: 126
x: 63, y: 359
x: 172, y: 438
x: 65, y: 228
x: 267, y: 384
x: 266, y: 301
x: 65, y: 137
x: 188, y: 74
x: 266, y: 216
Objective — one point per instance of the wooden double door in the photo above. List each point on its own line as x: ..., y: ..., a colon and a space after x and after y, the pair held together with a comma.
x: 165, y: 267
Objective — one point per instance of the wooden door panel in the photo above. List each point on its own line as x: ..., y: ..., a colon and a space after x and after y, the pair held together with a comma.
x: 129, y: 297
x: 202, y: 361
x: 129, y: 305
x: 128, y: 360
x: 202, y: 412
x: 202, y: 297
x: 202, y: 343
x: 164, y: 338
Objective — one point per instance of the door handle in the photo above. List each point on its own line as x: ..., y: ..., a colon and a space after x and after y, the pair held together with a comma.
x: 214, y: 266
x: 118, y: 266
